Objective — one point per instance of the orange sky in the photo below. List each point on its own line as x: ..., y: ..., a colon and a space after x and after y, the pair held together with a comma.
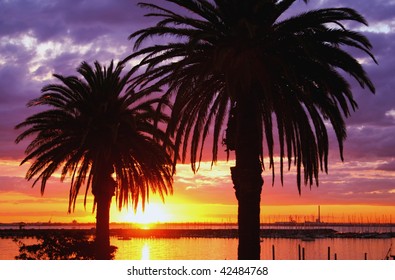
x: 207, y: 196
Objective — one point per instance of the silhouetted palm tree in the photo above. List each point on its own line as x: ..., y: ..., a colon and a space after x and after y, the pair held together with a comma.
x: 103, y: 135
x: 244, y: 66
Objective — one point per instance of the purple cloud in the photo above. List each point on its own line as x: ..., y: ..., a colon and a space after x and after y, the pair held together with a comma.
x: 388, y: 166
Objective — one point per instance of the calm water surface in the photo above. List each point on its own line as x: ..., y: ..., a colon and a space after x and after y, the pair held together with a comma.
x: 226, y: 248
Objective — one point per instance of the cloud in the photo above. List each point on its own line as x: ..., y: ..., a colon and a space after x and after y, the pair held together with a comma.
x: 209, y: 185
x: 370, y: 141
x: 82, y: 20
x: 40, y: 38
x: 388, y: 166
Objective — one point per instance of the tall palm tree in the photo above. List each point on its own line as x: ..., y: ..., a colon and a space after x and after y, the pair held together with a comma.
x: 100, y: 133
x: 244, y: 66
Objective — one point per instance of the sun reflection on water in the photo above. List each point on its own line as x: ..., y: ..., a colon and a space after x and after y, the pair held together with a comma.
x: 145, y: 252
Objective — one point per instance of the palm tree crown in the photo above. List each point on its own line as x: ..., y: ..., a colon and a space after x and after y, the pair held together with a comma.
x: 225, y: 52
x: 240, y: 65
x: 94, y: 127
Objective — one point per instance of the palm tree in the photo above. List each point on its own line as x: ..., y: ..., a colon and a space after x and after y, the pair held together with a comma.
x: 102, y: 135
x: 244, y: 66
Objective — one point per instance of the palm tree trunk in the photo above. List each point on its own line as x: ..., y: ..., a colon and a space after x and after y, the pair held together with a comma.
x: 247, y: 179
x: 103, y: 188
x: 102, y: 246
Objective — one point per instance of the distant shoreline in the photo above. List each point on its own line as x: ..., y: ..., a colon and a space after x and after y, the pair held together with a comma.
x: 197, y: 224
x: 125, y: 234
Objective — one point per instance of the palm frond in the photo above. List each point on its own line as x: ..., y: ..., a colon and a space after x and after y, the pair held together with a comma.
x: 94, y: 126
x: 219, y: 52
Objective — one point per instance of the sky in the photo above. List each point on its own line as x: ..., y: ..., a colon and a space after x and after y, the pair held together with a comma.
x: 41, y: 37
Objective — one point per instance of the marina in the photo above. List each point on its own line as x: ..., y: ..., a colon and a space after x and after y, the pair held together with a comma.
x: 219, y: 241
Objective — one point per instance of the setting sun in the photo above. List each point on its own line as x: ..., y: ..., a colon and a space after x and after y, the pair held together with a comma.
x: 153, y: 213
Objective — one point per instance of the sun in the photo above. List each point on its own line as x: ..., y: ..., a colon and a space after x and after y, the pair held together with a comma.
x: 153, y: 213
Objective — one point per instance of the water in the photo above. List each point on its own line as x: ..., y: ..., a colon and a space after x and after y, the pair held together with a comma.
x: 9, y: 249
x: 226, y: 248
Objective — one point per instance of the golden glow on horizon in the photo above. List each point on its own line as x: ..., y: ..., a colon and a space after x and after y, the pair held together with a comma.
x: 207, y: 197
x: 153, y: 213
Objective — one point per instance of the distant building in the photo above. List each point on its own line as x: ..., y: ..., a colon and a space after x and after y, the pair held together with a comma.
x: 318, y: 220
x: 22, y: 225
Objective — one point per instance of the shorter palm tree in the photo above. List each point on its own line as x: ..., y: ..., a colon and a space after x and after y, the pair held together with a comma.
x: 104, y: 136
